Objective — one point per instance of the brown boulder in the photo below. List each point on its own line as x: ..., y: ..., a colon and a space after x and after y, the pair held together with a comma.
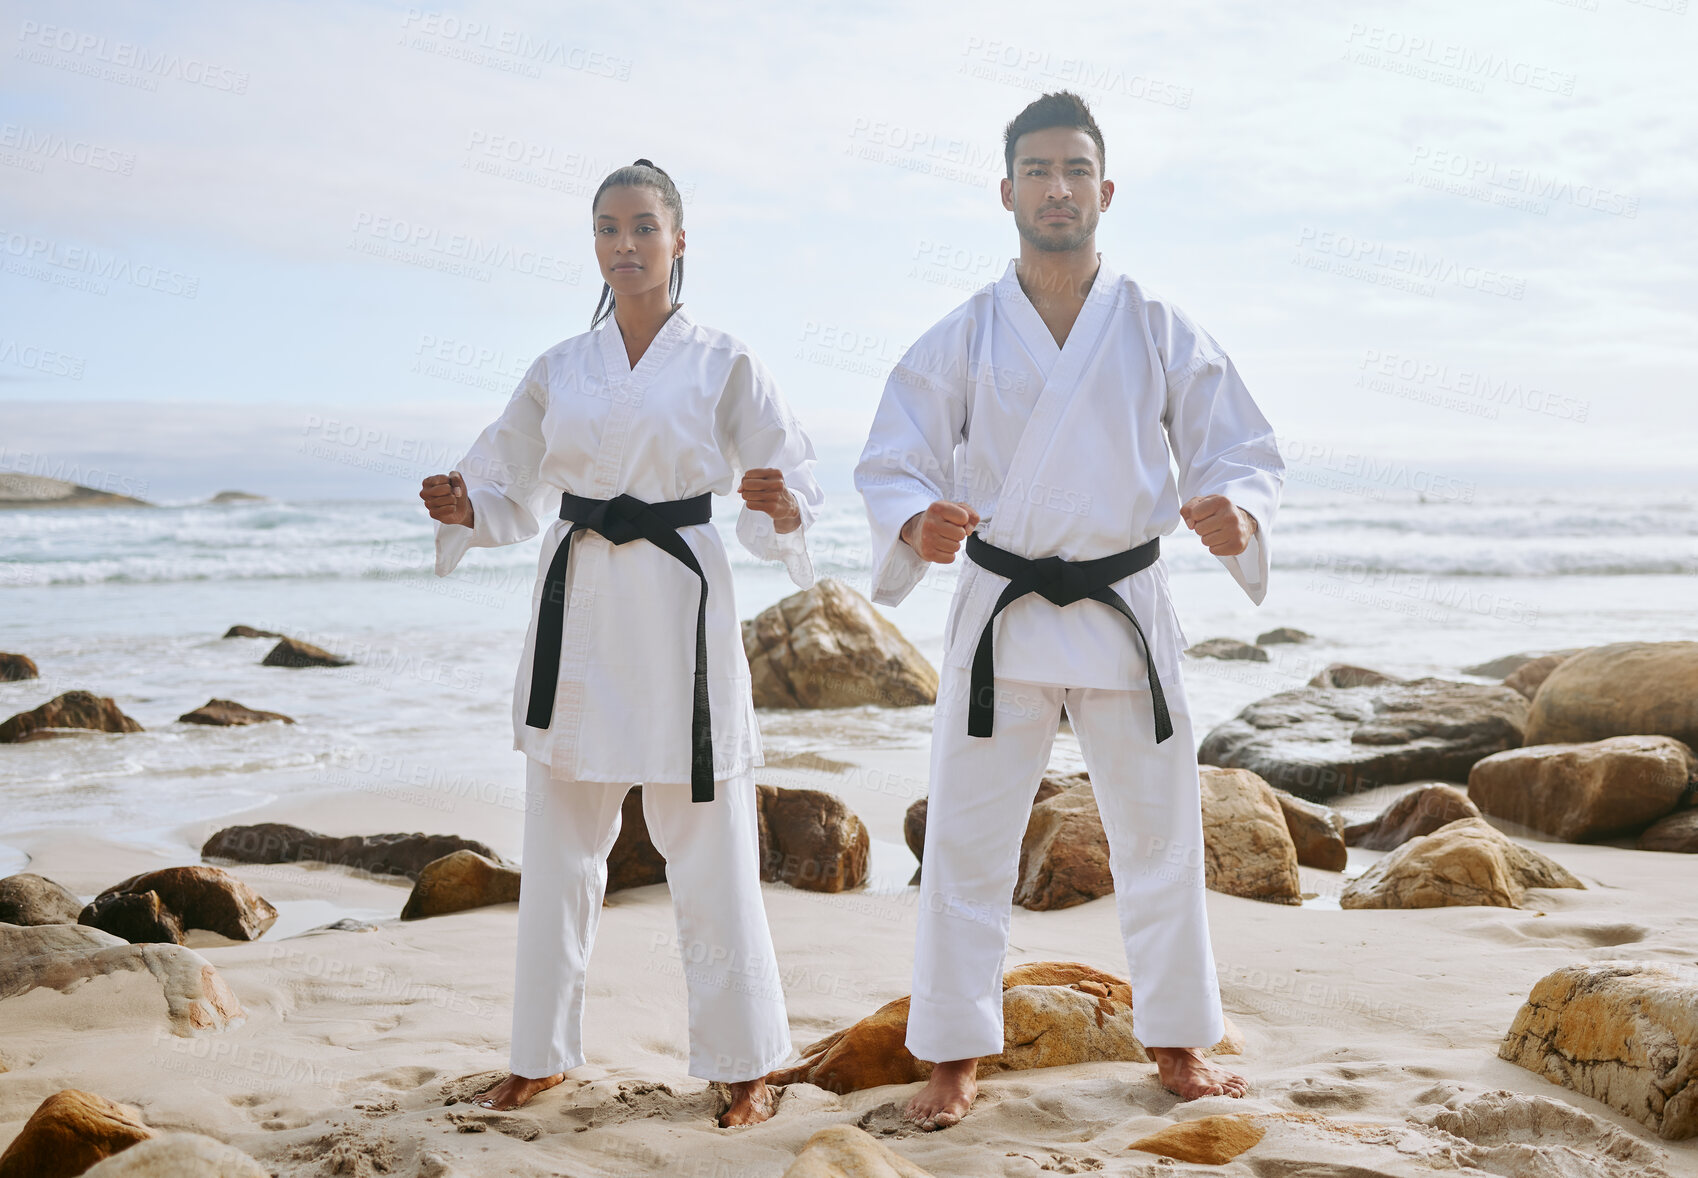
x: 65, y: 956
x: 1318, y: 742
x: 1676, y: 832
x: 250, y: 632
x: 811, y: 840
x: 291, y: 652
x: 1504, y: 666
x: 15, y: 667
x: 1420, y: 811
x: 633, y: 862
x: 1595, y: 790
x: 72, y: 709
x: 1064, y: 853
x: 1226, y: 648
x: 1316, y: 831
x: 392, y: 853
x: 1054, y: 1013
x: 227, y: 713
x: 138, y: 917
x: 1622, y: 689
x: 1623, y: 1032
x: 1465, y: 862
x: 844, y: 1151
x: 914, y: 821
x: 1247, y: 850
x: 202, y: 896
x: 1283, y: 634
x: 1346, y: 675
x: 827, y: 647
x: 27, y: 898
x: 1528, y: 677
x: 458, y: 881
x: 1211, y: 1141
x: 69, y: 1132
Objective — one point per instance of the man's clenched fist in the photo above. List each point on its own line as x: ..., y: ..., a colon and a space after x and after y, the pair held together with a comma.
x: 445, y: 496
x: 1226, y: 529
x: 938, y: 532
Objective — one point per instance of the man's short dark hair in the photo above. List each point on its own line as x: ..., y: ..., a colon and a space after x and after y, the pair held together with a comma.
x: 1062, y: 108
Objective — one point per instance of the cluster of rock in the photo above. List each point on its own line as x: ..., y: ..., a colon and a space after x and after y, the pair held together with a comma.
x: 1233, y: 648
x: 827, y: 647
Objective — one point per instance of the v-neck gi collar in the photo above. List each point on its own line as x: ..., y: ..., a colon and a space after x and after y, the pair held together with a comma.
x: 1035, y: 333
x: 618, y: 363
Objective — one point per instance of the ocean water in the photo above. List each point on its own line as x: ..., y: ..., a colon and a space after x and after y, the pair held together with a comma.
x: 132, y: 602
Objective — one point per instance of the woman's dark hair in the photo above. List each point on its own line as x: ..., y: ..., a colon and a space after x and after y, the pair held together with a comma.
x: 643, y: 174
x: 1060, y: 108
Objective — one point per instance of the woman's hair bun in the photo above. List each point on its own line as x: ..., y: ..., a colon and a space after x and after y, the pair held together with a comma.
x: 645, y: 164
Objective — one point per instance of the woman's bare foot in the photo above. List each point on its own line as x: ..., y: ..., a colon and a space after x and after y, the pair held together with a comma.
x: 1187, y: 1074
x: 947, y: 1095
x: 751, y: 1103
x: 515, y: 1090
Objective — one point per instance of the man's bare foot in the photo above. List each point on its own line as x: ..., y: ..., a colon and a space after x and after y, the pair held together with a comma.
x: 947, y: 1095
x: 751, y: 1103
x: 1185, y: 1072
x: 515, y: 1090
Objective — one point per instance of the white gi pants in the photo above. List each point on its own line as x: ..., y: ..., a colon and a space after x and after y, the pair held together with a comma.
x: 738, y: 1025
x: 981, y: 796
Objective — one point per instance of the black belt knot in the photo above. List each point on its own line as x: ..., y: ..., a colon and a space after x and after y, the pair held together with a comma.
x: 622, y: 519
x: 1061, y: 582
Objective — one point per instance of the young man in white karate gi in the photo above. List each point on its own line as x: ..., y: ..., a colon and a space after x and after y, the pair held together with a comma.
x: 1034, y: 423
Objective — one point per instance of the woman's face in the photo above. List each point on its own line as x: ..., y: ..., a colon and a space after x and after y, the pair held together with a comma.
x: 635, y: 240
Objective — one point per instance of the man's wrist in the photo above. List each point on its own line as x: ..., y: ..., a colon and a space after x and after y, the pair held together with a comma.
x: 910, y: 533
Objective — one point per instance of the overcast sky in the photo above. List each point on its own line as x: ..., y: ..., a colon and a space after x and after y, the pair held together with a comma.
x: 1453, y: 235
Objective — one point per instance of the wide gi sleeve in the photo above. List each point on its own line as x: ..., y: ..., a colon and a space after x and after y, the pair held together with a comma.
x: 909, y: 459
x: 756, y: 429
x: 500, y: 471
x: 1223, y: 443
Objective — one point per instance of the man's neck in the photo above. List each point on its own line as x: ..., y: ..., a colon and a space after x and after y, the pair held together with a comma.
x: 1057, y: 283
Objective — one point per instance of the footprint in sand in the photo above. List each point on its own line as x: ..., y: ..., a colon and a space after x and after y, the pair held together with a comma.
x: 887, y: 1120
x: 521, y: 1128
x: 1312, y: 1093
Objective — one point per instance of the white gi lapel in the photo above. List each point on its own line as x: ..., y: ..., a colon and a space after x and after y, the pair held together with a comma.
x: 1082, y: 341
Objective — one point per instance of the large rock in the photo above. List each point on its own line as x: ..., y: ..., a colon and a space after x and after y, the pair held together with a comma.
x: 1054, y: 1013
x: 1283, y: 634
x: 1064, y: 854
x: 1468, y: 861
x: 1623, y: 689
x: 240, y: 631
x: 291, y: 652
x: 1226, y: 648
x: 1677, y: 832
x: 633, y: 862
x: 65, y: 956
x: 1316, y: 831
x: 811, y: 840
x: 1623, y: 1032
x: 1411, y: 814
x: 137, y: 917
x: 72, y: 709
x: 69, y: 1132
x: 1318, y: 742
x: 458, y: 881
x: 827, y: 647
x: 1594, y: 790
x: 179, y: 1155
x: 228, y: 713
x: 27, y: 898
x: 1530, y: 676
x: 1350, y: 675
x: 914, y: 821
x: 844, y: 1151
x: 1506, y: 665
x: 380, y: 854
x: 202, y: 896
x: 15, y: 667
x: 1247, y: 849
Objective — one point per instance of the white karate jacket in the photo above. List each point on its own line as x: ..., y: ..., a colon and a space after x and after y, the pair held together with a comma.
x: 697, y: 411
x: 1065, y: 452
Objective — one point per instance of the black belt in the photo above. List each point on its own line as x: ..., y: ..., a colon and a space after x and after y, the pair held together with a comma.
x: 1062, y: 582
x: 623, y: 519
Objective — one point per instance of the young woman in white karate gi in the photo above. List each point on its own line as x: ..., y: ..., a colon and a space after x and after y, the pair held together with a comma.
x: 641, y: 417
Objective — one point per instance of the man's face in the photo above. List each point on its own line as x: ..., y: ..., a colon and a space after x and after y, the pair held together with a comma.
x: 1058, y: 193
